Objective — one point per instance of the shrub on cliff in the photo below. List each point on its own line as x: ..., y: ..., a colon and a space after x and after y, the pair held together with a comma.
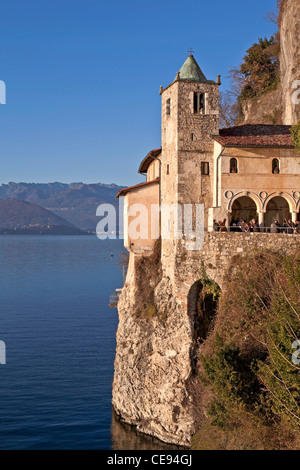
x: 296, y: 135
x: 280, y: 374
x: 247, y: 360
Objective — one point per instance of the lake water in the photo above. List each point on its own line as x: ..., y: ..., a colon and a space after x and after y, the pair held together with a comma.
x: 55, y: 390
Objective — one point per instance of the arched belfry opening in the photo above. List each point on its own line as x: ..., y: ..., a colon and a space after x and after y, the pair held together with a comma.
x: 202, y: 308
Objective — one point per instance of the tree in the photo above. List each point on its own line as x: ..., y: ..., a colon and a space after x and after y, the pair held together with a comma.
x: 229, y: 109
x: 272, y: 17
x: 259, y: 71
x: 296, y: 135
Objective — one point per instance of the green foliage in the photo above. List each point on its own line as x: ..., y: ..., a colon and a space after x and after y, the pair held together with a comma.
x: 150, y: 311
x: 260, y: 69
x: 247, y: 360
x: 296, y: 135
x: 210, y: 287
x: 279, y: 374
x: 234, y: 382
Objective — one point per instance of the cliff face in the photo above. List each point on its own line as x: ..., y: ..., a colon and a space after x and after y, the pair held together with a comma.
x: 152, y: 365
x: 277, y: 106
x: 290, y: 58
x: 267, y: 109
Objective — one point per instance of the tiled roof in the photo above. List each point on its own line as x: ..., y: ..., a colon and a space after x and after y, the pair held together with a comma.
x: 148, y: 159
x: 124, y: 191
x: 255, y: 135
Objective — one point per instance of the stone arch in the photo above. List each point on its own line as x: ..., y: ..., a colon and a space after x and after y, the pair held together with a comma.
x: 202, y: 307
x: 249, y: 194
x: 243, y: 208
x: 278, y: 209
x: 289, y: 199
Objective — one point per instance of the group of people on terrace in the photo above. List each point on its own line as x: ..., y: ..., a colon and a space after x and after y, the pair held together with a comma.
x: 241, y: 225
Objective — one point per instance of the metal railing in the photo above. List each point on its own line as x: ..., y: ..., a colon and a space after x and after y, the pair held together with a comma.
x: 259, y: 229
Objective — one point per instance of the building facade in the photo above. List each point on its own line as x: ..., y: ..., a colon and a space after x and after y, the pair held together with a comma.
x: 244, y: 172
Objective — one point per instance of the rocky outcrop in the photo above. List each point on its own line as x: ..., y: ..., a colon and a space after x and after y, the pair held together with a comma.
x: 290, y: 59
x: 152, y: 365
x: 282, y: 105
x: 266, y: 109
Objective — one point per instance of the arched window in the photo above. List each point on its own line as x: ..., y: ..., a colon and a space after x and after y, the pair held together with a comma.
x: 168, y: 107
x: 199, y: 103
x: 233, y: 165
x: 275, y: 166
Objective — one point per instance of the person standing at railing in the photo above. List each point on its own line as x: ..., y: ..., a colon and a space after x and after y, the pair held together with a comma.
x: 275, y: 227
x: 216, y: 226
x: 290, y: 226
x: 222, y: 227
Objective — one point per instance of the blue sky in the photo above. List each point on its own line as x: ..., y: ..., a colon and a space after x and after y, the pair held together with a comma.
x: 83, y: 78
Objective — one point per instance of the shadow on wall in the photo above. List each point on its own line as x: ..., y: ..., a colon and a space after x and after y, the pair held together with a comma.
x: 202, y: 308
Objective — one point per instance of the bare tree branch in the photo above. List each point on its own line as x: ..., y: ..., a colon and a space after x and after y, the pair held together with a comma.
x: 228, y: 108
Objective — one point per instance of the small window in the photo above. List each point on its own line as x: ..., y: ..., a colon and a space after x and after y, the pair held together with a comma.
x: 233, y: 165
x: 205, y: 168
x: 275, y: 166
x: 192, y: 137
x: 168, y: 169
x: 168, y: 107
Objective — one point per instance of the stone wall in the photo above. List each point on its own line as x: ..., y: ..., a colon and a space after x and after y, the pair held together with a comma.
x: 153, y: 380
x: 218, y: 250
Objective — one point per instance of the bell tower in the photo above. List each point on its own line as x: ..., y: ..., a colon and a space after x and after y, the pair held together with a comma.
x: 190, y: 116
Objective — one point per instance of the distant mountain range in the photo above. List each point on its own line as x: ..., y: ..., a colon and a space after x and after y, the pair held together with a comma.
x: 21, y: 217
x: 76, y: 203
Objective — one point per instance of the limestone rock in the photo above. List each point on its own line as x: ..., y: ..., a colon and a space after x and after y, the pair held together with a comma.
x: 290, y: 58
